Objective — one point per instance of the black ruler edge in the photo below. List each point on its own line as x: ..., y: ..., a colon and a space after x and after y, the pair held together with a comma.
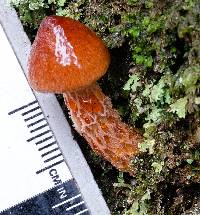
x: 53, y: 187
x: 29, y: 198
x: 57, y: 122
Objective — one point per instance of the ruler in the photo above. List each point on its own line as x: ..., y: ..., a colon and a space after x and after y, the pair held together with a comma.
x: 42, y: 169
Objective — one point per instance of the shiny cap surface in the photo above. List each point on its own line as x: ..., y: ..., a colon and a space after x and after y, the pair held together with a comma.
x: 66, y: 56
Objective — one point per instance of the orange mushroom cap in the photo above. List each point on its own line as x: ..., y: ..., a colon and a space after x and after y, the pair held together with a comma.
x: 66, y: 56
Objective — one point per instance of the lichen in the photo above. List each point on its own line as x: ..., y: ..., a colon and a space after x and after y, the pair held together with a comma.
x: 154, y: 84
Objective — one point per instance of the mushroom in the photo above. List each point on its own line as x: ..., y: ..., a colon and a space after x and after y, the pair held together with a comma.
x: 67, y: 57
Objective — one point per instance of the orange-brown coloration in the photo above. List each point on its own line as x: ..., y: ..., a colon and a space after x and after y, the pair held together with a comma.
x: 66, y: 56
x: 96, y: 120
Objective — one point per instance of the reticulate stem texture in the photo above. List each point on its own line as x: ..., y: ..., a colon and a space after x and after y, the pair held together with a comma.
x: 96, y: 120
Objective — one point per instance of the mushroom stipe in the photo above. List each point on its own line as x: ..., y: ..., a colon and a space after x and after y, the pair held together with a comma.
x: 96, y: 120
x: 67, y: 57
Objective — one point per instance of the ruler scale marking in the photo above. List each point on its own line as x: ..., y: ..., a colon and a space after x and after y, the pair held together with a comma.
x: 21, y: 108
x: 49, y: 152
x: 59, y: 210
x: 36, y: 122
x: 68, y: 200
x: 32, y: 117
x: 52, y: 158
x: 54, y: 164
x: 39, y: 135
x: 81, y: 212
x: 74, y: 206
x: 50, y: 166
x: 31, y: 110
x: 38, y: 128
x: 56, y: 174
x: 47, y: 146
x: 44, y: 140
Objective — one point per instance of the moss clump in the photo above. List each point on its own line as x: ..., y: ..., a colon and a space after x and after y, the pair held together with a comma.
x: 155, y: 85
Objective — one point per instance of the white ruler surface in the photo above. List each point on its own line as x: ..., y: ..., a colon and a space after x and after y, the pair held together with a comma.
x: 30, y: 158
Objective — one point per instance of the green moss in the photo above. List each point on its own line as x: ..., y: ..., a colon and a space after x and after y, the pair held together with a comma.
x: 159, y: 92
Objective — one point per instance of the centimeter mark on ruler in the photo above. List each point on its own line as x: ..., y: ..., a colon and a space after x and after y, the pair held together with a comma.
x: 36, y: 122
x: 32, y: 112
x: 36, y: 175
